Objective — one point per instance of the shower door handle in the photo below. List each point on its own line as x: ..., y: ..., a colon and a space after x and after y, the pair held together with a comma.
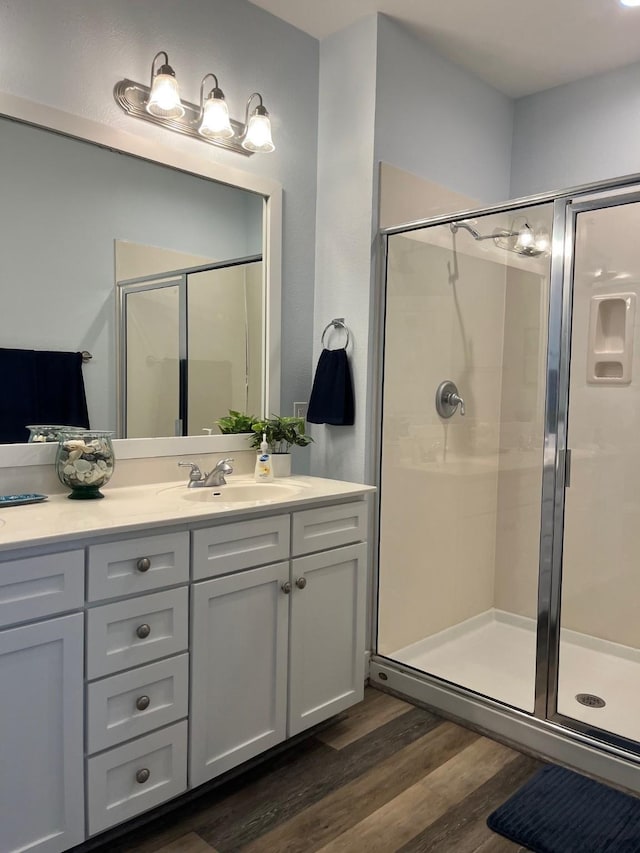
x: 567, y: 468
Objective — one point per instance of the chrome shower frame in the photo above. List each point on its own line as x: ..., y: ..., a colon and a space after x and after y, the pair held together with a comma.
x: 545, y: 731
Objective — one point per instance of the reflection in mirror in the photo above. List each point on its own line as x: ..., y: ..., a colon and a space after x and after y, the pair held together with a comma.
x: 64, y: 204
x: 190, y: 348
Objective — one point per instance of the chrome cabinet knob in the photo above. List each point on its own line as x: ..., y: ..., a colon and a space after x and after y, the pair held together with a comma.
x: 142, y: 775
x: 301, y: 583
x: 143, y: 564
x: 143, y: 631
x: 142, y: 703
x: 286, y: 587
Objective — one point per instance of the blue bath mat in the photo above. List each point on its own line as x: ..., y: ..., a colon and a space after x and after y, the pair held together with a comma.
x: 558, y: 811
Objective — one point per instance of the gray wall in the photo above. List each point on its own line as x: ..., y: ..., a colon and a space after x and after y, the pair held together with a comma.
x: 578, y: 133
x: 437, y: 120
x: 345, y: 229
x: 64, y: 202
x: 69, y: 54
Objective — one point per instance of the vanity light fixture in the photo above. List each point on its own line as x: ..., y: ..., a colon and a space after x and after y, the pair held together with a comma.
x: 207, y: 121
x: 164, y: 98
x: 257, y: 135
x: 214, y: 112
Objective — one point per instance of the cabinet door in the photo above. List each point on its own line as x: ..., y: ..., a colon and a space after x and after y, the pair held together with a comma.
x: 41, y: 765
x: 326, y: 656
x: 238, y: 668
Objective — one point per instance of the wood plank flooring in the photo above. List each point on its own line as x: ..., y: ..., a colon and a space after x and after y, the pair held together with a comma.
x: 386, y: 777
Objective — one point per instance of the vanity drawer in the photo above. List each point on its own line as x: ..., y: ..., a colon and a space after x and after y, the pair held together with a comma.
x: 136, y: 631
x: 41, y: 586
x: 130, y: 779
x: 133, y: 703
x: 137, y: 565
x: 328, y: 527
x: 242, y: 545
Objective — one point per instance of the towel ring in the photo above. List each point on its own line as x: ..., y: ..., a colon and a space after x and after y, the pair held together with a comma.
x: 335, y: 324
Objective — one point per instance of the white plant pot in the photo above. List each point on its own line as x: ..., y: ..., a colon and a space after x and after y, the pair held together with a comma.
x: 281, y: 464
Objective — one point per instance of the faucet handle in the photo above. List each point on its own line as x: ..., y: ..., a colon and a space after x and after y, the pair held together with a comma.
x: 224, y: 461
x: 195, y: 474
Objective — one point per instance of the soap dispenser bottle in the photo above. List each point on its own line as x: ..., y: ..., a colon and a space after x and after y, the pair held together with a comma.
x: 264, y: 468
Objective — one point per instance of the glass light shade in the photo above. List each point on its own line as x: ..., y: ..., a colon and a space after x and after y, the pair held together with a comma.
x: 215, y: 119
x: 542, y: 241
x: 258, y: 135
x: 630, y: 2
x: 164, y: 100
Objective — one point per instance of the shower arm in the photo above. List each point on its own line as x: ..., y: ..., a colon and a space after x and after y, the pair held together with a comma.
x: 499, y: 232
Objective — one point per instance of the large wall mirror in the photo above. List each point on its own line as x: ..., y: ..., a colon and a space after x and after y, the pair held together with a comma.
x: 82, y: 224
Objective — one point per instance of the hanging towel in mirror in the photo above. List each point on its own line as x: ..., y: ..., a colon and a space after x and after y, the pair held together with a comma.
x: 39, y: 387
x: 331, y: 399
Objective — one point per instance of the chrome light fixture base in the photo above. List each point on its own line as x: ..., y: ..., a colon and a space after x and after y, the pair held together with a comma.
x: 132, y: 98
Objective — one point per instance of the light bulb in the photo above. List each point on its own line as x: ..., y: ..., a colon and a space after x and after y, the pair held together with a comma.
x: 630, y: 2
x: 525, y: 238
x: 164, y: 100
x: 215, y: 119
x: 542, y: 241
x: 258, y: 134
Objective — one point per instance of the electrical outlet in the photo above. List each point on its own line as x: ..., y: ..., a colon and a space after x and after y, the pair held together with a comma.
x: 300, y: 410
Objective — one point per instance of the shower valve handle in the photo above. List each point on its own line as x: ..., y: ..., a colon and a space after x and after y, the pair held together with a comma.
x: 456, y: 400
x: 448, y: 399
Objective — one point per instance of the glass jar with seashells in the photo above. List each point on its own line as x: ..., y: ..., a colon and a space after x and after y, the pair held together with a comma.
x: 85, y: 461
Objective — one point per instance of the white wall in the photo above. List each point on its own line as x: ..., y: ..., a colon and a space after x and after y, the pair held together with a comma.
x: 578, y: 133
x: 69, y: 54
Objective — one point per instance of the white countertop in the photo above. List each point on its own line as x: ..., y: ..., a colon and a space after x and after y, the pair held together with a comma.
x: 155, y: 505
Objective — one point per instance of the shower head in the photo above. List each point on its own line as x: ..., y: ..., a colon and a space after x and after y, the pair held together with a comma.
x: 520, y: 240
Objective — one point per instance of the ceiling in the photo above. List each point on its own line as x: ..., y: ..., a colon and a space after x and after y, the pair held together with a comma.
x: 517, y: 47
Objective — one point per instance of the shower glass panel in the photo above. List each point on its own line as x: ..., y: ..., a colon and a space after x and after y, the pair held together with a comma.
x: 224, y: 353
x: 460, y: 496
x: 153, y: 350
x: 599, y: 654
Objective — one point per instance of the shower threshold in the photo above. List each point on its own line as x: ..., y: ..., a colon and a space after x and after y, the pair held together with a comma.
x: 494, y: 654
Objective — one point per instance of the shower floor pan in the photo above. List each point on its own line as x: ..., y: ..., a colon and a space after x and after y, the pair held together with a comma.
x: 494, y: 654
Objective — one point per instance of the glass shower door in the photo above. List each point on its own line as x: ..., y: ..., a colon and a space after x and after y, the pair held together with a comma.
x: 460, y: 488
x: 599, y: 642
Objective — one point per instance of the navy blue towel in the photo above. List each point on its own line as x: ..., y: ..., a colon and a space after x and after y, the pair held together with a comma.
x: 40, y: 387
x: 331, y: 399
x: 559, y: 811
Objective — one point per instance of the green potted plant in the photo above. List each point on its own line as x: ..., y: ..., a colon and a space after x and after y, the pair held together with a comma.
x: 235, y: 422
x: 282, y: 433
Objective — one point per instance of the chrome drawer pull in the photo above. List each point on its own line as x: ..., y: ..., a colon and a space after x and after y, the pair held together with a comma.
x: 143, y: 631
x: 143, y: 564
x: 142, y: 775
x: 142, y: 703
x: 301, y: 583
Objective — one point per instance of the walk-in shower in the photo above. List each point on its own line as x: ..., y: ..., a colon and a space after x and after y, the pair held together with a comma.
x: 510, y: 531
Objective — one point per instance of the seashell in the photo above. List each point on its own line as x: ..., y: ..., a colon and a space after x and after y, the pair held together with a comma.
x: 82, y: 466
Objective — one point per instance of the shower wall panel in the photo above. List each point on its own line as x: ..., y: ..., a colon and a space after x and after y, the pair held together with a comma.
x: 439, y: 487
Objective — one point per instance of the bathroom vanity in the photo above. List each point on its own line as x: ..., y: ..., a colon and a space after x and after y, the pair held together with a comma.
x: 154, y: 640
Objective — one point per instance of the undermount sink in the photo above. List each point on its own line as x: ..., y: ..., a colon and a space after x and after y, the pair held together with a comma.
x: 241, y: 493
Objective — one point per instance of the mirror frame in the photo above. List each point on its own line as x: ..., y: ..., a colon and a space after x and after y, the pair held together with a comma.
x: 125, y: 142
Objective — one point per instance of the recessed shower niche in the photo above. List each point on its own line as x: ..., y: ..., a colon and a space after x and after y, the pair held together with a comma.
x: 611, y: 321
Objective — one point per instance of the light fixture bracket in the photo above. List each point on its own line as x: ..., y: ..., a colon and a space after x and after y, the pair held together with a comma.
x: 132, y: 99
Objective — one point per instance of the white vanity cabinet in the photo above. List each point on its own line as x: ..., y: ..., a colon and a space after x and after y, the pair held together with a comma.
x: 276, y: 648
x: 41, y: 707
x: 196, y: 646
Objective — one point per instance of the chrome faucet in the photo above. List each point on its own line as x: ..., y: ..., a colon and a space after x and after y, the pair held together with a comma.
x: 214, y: 478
